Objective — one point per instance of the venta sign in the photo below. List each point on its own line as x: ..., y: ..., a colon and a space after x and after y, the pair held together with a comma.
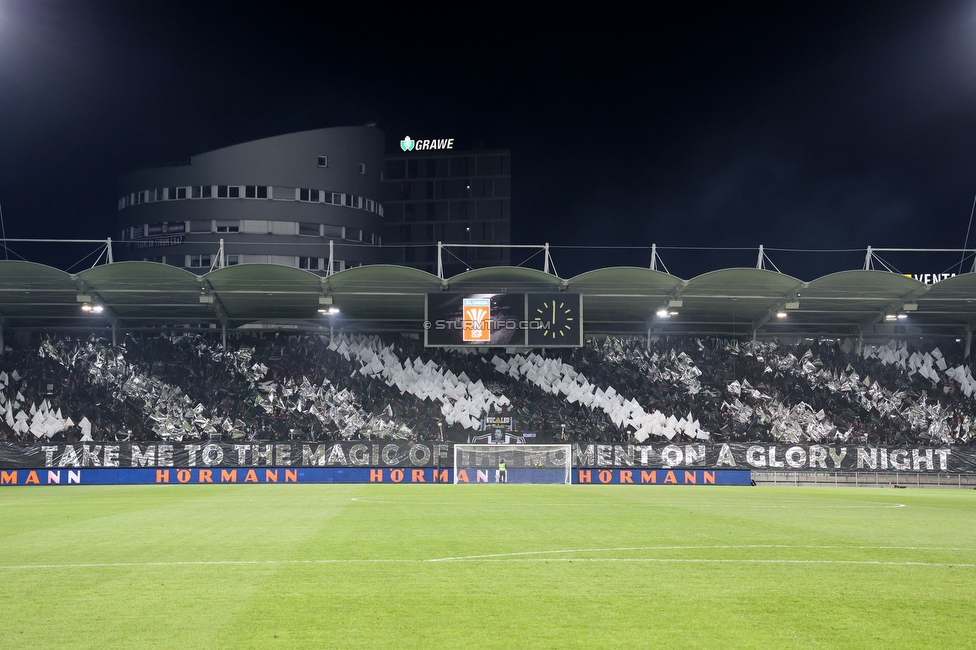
x: 408, y: 144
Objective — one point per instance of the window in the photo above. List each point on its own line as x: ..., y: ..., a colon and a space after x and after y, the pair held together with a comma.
x: 459, y: 167
x: 404, y: 191
x: 198, y: 261
x: 203, y: 191
x: 221, y: 191
x: 309, y: 263
x: 354, y: 234
x: 369, y: 205
x: 233, y: 260
x: 362, y: 168
x: 349, y: 199
x: 201, y: 226
x: 308, y: 195
x: 310, y: 229
x: 234, y: 191
x: 228, y: 226
x: 333, y: 232
x: 394, y: 170
x: 181, y: 192
x: 323, y: 161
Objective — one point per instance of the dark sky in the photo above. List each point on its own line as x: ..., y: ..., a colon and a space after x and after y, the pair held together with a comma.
x: 806, y: 126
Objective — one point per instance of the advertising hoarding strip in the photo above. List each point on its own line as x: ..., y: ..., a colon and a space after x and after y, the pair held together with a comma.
x: 389, y: 454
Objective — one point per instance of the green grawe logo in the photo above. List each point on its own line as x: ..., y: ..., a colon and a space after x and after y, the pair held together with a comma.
x: 407, y: 144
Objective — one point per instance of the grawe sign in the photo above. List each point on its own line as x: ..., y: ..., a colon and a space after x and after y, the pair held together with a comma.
x: 409, y: 144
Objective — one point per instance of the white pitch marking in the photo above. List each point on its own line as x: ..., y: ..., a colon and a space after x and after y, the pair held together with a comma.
x: 744, y: 561
x: 523, y: 556
x: 878, y: 504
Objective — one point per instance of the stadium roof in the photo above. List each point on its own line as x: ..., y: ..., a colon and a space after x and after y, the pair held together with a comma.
x: 138, y: 295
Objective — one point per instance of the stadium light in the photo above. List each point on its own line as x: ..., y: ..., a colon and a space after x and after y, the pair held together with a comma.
x: 663, y: 313
x: 890, y: 318
x: 902, y: 316
x: 781, y: 314
x: 86, y: 307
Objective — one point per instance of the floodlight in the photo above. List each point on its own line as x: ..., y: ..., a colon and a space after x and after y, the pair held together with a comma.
x: 902, y: 316
x: 890, y: 318
x: 86, y: 307
x: 663, y: 313
x: 781, y: 314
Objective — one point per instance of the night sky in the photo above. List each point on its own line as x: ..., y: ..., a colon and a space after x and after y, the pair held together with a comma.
x: 813, y: 126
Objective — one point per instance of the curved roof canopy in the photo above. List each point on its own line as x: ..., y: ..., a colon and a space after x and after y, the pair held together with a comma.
x: 135, y: 295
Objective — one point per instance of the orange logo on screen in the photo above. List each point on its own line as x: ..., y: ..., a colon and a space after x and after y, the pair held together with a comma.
x: 476, y: 317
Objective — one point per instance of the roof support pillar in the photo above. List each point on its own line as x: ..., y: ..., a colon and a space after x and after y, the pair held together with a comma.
x: 115, y: 333
x: 328, y: 271
x: 860, y: 340
x: 223, y: 333
x: 108, y: 251
x: 440, y: 260
x: 648, y: 339
x: 868, y: 262
x: 545, y: 263
x: 969, y: 341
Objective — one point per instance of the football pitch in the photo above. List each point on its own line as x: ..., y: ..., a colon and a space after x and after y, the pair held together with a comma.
x: 486, y: 566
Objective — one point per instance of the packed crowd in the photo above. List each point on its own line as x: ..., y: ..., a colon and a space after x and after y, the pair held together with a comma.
x: 621, y: 390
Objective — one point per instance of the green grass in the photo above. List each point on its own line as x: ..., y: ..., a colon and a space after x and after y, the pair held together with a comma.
x: 486, y: 566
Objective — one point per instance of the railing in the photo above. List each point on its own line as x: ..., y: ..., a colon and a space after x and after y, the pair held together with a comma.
x: 866, y: 479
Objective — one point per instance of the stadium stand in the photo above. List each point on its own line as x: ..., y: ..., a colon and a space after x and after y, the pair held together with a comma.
x: 613, y: 389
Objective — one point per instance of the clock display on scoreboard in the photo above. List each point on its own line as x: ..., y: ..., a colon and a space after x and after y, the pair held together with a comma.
x: 555, y: 320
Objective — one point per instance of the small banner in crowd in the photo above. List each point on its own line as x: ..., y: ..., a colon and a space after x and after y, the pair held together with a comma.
x: 740, y: 456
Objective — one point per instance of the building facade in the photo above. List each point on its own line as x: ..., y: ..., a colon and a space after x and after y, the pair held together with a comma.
x: 278, y: 200
x: 449, y: 196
